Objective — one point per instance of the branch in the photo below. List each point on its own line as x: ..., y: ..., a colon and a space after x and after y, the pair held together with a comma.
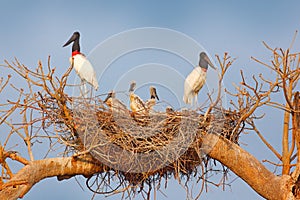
x: 296, y: 132
x: 246, y: 166
x: 38, y: 170
x: 251, y: 122
x: 227, y: 62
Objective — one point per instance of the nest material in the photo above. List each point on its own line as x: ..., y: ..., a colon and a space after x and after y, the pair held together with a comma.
x: 138, y: 149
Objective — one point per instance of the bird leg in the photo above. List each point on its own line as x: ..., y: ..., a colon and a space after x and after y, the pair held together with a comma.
x: 195, y: 103
x: 91, y: 93
x: 83, y: 89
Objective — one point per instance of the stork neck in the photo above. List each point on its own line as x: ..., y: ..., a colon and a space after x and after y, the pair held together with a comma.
x: 76, y: 46
x: 204, y: 69
x: 74, y: 53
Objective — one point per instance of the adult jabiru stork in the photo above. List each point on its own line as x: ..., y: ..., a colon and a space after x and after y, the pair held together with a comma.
x: 196, y: 79
x: 81, y: 64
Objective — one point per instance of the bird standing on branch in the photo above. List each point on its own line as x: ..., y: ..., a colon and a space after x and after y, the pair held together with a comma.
x: 196, y: 79
x: 81, y: 64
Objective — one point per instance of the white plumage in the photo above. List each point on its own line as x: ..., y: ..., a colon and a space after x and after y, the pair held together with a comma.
x: 192, y: 84
x: 81, y: 64
x: 116, y: 106
x: 84, y: 69
x: 137, y: 105
x: 196, y: 79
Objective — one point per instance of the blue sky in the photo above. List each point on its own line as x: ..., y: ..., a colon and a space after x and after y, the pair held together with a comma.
x: 33, y: 30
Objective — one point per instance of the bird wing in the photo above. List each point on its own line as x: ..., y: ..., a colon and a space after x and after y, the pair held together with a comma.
x: 193, y: 83
x: 118, y: 106
x: 150, y: 103
x: 200, y: 81
x: 137, y: 104
x: 85, y: 70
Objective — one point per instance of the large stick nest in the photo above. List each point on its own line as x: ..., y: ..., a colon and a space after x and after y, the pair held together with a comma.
x: 139, y: 150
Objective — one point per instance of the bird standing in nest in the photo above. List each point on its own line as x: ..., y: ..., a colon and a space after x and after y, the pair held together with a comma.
x: 137, y: 105
x: 152, y: 101
x: 115, y: 104
x: 196, y: 79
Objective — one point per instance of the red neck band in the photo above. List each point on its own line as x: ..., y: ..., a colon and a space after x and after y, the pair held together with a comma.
x: 74, y: 53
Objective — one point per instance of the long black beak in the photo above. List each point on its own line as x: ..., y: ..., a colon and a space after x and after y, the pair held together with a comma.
x: 209, y: 62
x: 72, y: 39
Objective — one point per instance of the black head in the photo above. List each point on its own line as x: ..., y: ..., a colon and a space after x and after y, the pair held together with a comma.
x: 205, y: 61
x: 132, y: 86
x: 111, y: 94
x: 169, y: 110
x: 153, y: 93
x: 74, y: 38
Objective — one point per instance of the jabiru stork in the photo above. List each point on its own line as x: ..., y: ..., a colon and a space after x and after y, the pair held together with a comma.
x: 196, y: 79
x: 81, y: 64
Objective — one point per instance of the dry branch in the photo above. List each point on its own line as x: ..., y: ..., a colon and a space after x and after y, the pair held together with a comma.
x: 136, y: 153
x: 38, y: 170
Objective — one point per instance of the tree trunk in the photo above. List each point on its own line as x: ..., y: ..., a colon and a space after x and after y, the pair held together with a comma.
x: 243, y: 164
x: 248, y: 168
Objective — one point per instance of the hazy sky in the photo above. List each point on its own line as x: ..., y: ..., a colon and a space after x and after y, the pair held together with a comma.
x: 33, y: 30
